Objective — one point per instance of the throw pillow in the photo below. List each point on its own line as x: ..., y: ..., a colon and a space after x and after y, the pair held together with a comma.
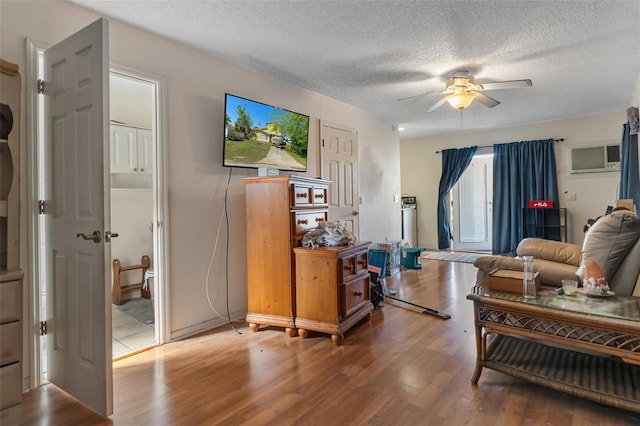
x: 608, y: 242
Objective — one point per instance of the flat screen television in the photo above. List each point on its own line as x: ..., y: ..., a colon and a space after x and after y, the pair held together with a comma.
x: 259, y: 135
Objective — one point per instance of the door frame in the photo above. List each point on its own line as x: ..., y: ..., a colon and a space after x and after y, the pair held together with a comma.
x: 160, y: 208
x: 160, y: 200
x: 486, y: 155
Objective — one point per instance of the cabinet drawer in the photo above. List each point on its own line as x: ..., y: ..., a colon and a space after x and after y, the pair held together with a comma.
x: 11, y: 416
x: 320, y: 196
x: 352, y: 266
x: 301, y: 195
x: 10, y: 342
x: 309, y: 195
x: 352, y: 294
x: 10, y: 301
x: 361, y: 263
x: 10, y: 385
x: 303, y: 222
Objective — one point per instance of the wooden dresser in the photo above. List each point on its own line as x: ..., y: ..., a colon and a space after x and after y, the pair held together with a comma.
x: 280, y: 210
x: 332, y: 289
x: 10, y: 274
x: 10, y: 347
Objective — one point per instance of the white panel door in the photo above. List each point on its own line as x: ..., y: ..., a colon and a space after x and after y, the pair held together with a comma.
x: 339, y: 158
x: 472, y: 199
x: 76, y: 103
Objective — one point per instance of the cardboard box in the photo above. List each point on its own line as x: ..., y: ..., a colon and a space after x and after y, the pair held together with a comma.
x: 393, y: 259
x: 506, y: 280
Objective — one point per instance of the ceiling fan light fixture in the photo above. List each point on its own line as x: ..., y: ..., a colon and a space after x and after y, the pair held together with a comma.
x: 461, y: 100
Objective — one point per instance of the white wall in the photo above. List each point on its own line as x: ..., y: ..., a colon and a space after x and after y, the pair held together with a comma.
x: 421, y: 168
x: 131, y: 217
x: 635, y: 98
x: 130, y: 101
x: 195, y: 87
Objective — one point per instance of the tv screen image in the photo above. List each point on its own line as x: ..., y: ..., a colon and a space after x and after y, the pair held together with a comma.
x: 260, y: 135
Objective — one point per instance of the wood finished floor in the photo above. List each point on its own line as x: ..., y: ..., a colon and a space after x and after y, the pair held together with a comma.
x: 400, y: 368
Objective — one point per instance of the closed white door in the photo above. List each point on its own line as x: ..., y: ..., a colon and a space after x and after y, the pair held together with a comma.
x: 339, y: 159
x: 472, y: 199
x: 76, y: 105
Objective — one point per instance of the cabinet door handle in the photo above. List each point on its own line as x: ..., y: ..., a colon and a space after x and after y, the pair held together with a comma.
x: 142, y: 170
x: 348, y: 268
x: 135, y: 169
x: 302, y: 221
x: 302, y: 195
x: 357, y: 293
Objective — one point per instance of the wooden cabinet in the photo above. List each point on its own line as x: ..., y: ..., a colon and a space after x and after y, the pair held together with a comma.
x: 332, y: 289
x: 10, y: 274
x: 10, y: 347
x: 131, y: 150
x: 280, y: 210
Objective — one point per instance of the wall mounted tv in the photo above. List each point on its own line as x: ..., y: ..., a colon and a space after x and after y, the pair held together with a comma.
x: 258, y: 135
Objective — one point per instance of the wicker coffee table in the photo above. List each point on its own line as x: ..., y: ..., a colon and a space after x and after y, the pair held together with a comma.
x: 584, y: 346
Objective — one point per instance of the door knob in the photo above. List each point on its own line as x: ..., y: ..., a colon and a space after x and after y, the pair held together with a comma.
x: 95, y: 237
x: 108, y: 235
x: 356, y: 213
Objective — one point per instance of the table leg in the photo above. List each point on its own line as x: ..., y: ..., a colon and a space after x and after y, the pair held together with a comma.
x: 480, y: 345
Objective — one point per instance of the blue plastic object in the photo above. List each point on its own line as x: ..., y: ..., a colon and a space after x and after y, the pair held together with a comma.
x: 377, y: 257
x: 410, y: 257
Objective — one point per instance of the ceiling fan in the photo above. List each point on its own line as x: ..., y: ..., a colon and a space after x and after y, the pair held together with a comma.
x: 461, y: 90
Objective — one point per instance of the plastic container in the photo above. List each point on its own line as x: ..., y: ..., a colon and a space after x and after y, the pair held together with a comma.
x: 377, y: 257
x: 528, y: 282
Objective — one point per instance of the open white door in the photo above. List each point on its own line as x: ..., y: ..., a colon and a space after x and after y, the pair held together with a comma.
x: 76, y: 110
x: 339, y: 159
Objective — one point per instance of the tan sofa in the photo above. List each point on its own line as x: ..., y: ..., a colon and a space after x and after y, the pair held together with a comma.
x: 613, y: 241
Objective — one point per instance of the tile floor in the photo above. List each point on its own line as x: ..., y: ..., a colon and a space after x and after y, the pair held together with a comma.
x: 129, y: 334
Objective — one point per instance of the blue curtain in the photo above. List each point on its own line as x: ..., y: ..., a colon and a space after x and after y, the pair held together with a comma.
x: 630, y: 173
x: 454, y: 163
x: 522, y: 171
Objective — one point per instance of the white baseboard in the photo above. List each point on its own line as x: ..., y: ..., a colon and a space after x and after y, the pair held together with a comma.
x: 206, y: 325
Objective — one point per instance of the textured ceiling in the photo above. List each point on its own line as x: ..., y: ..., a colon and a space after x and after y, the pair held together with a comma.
x: 582, y: 56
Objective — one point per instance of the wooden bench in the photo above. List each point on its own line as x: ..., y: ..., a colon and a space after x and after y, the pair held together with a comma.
x: 117, y: 289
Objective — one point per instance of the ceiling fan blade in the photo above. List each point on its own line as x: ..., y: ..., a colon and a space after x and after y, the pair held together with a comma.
x: 513, y: 84
x: 487, y: 101
x: 421, y: 95
x: 436, y: 105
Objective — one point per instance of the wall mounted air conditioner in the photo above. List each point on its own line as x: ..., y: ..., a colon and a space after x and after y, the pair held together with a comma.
x: 595, y: 159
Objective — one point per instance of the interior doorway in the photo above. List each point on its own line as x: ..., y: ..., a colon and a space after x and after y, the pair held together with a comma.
x: 472, y: 205
x: 132, y: 145
x: 154, y: 201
